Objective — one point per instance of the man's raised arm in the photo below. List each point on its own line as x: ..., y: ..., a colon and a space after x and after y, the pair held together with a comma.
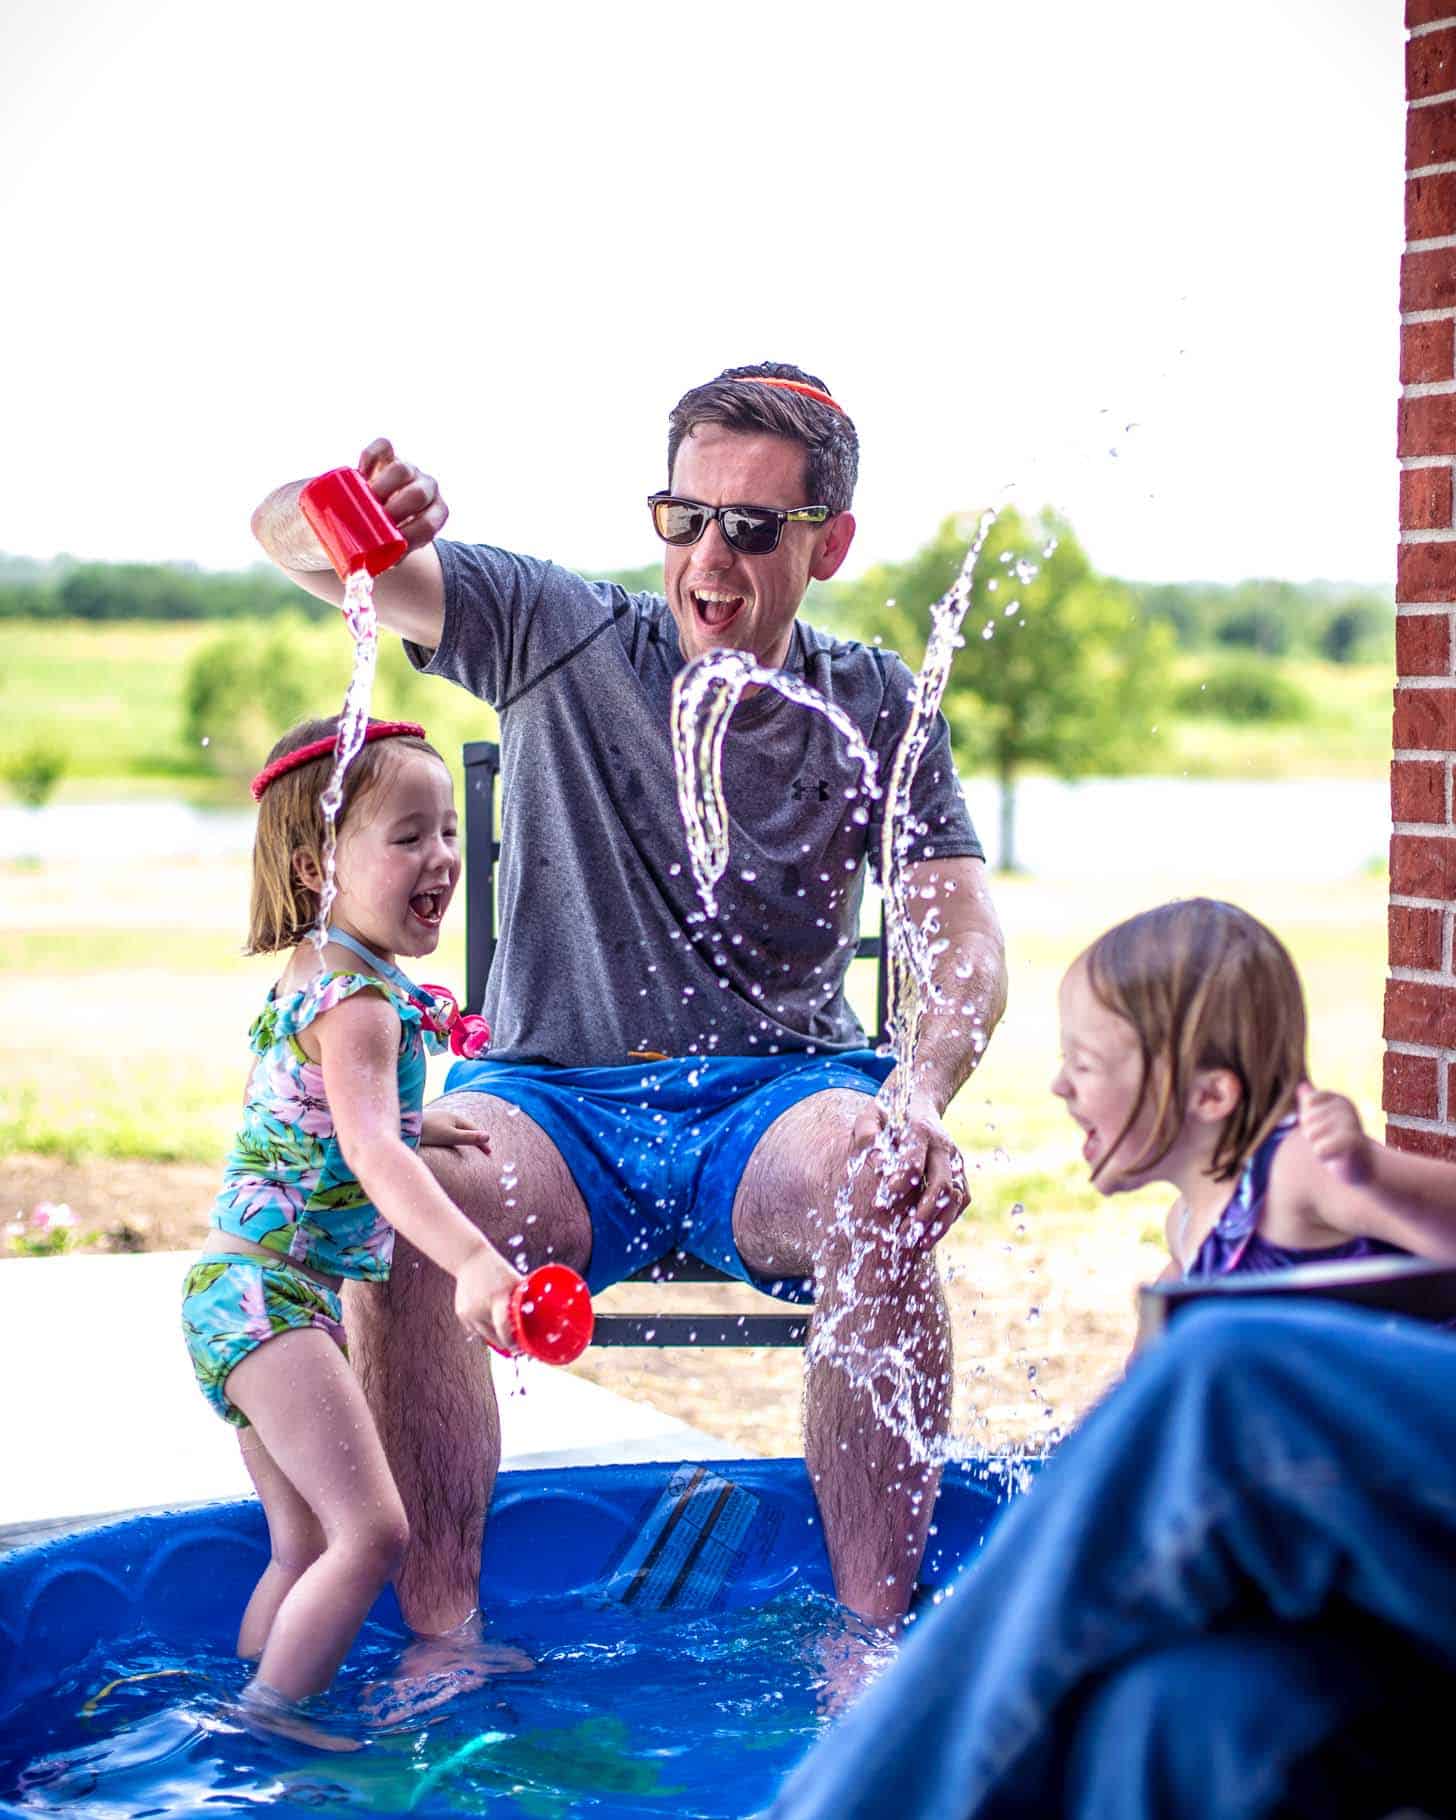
x: 410, y: 597
x: 969, y: 969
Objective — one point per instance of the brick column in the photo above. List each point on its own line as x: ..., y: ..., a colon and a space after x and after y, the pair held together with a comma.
x: 1420, y: 998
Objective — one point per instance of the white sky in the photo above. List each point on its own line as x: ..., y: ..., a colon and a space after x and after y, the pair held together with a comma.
x: 242, y: 240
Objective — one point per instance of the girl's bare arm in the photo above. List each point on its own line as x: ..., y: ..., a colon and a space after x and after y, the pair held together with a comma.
x: 1346, y: 1180
x: 359, y: 1048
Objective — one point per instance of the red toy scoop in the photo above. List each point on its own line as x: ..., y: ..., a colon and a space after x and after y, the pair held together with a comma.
x: 350, y: 523
x: 551, y: 1315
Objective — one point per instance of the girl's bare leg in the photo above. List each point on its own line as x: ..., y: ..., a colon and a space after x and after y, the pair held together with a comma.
x: 295, y: 1539
x: 311, y: 1418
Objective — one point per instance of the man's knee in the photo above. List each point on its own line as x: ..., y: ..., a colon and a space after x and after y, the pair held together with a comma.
x: 464, y: 1174
x: 813, y: 1199
x: 519, y: 1192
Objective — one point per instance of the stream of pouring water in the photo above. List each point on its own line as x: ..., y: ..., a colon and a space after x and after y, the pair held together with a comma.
x: 353, y: 719
x: 704, y: 697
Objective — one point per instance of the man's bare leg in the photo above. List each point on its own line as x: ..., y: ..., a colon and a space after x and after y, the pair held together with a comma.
x: 429, y: 1387
x: 882, y: 1310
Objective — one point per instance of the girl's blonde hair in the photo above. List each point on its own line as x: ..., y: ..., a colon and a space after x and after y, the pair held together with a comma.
x: 1204, y: 985
x: 291, y: 827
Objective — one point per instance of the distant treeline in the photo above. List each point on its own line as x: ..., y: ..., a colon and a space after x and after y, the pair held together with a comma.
x: 1344, y: 623
x: 1339, y: 621
x: 66, y: 589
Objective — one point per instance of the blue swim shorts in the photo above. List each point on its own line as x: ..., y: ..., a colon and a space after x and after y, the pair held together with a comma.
x: 231, y: 1304
x: 657, y: 1149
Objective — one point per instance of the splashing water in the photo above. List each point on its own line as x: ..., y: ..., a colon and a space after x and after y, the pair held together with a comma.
x: 703, y: 699
x: 909, y: 952
x: 353, y: 719
x: 704, y: 696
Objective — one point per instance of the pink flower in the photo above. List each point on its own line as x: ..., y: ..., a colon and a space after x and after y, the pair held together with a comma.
x: 299, y: 1100
x: 47, y: 1216
x: 378, y: 1242
x: 254, y: 1196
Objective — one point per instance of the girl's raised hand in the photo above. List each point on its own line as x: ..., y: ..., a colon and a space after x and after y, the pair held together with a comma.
x: 1332, y: 1129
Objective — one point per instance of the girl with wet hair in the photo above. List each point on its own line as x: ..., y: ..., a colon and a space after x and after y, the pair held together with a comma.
x: 1183, y: 1061
x: 324, y: 1170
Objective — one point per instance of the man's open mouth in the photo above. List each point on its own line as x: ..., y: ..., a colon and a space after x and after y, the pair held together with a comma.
x: 715, y: 608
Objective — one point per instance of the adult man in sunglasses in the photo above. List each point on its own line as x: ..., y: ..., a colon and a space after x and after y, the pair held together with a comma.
x: 657, y: 1078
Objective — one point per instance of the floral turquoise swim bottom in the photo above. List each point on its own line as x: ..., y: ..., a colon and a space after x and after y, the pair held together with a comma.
x: 232, y: 1304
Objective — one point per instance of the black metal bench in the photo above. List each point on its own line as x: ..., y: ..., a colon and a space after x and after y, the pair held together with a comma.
x: 482, y: 850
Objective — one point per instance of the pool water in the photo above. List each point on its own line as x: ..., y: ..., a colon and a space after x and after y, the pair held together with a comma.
x: 687, y: 1651
x: 625, y: 1713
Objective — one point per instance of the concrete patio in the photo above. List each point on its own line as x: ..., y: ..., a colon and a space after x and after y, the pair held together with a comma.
x: 100, y: 1414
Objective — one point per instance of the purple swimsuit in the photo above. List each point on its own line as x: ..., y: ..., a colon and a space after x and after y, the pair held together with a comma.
x: 1235, y: 1246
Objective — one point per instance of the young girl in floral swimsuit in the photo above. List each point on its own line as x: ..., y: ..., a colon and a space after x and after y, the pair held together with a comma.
x: 323, y: 1171
x: 1183, y: 1061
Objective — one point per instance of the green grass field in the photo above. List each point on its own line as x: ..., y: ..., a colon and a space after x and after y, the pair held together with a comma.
x: 128, y: 1000
x: 128, y: 1003
x: 110, y: 699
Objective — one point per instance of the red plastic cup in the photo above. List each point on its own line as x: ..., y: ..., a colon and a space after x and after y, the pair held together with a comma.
x: 351, y: 524
x: 551, y: 1315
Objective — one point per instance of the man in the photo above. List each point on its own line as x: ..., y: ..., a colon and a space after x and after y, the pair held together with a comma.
x: 658, y: 1077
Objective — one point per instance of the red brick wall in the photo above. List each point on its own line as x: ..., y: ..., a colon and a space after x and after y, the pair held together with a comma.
x: 1420, y: 999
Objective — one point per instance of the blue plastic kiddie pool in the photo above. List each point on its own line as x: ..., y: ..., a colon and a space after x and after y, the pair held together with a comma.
x: 680, y: 1619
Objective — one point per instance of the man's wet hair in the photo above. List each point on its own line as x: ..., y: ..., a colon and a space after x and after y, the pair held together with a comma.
x: 831, y: 445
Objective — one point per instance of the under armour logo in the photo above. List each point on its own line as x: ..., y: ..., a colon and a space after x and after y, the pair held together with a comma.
x: 801, y: 790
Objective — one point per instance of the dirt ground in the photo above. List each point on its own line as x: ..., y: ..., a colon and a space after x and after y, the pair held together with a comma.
x: 1043, y: 1320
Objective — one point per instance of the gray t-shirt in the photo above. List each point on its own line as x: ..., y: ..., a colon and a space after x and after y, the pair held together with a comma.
x: 603, y: 946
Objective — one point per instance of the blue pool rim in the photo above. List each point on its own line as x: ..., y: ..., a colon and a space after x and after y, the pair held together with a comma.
x: 184, y: 1575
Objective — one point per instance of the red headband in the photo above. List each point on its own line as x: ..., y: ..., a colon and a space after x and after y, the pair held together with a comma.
x: 797, y: 385
x: 290, y: 761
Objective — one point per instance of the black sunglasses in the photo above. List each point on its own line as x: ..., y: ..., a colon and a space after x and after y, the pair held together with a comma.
x: 753, y: 530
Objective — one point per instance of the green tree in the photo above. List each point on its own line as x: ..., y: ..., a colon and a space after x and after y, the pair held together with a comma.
x: 242, y: 690
x: 1360, y: 629
x: 1059, y: 670
x: 34, y: 773
x: 1242, y: 688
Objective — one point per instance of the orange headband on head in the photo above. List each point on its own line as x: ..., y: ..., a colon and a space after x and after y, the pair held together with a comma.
x: 290, y: 761
x: 797, y: 385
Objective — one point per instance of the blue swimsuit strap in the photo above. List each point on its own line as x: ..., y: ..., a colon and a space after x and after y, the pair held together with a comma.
x: 385, y: 969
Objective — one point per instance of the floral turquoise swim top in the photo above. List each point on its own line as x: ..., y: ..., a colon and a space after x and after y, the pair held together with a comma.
x: 286, y: 1185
